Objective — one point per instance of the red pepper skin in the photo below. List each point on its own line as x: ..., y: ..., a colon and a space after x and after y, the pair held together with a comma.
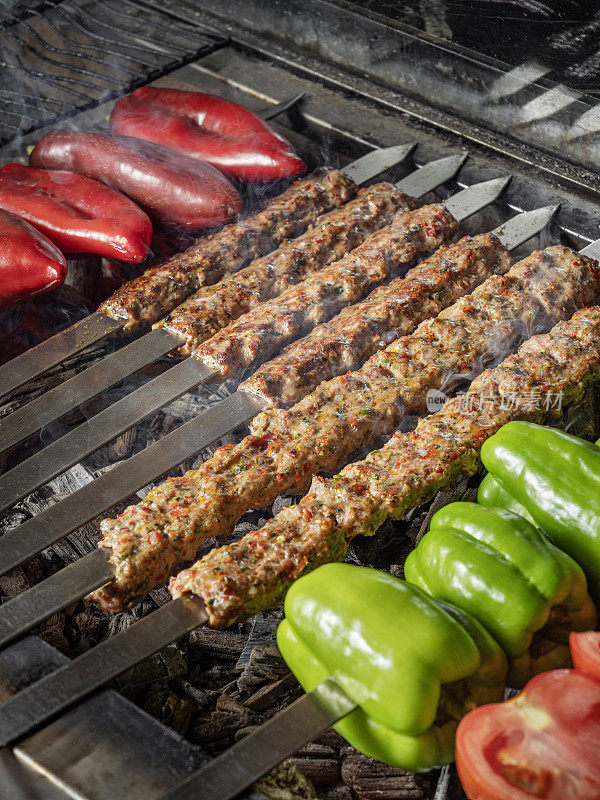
x: 173, y: 188
x: 29, y: 263
x: 78, y: 214
x: 224, y: 134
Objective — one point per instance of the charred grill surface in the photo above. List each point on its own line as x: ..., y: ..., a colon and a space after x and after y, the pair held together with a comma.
x: 269, y: 327
x: 253, y: 574
x: 286, y: 448
x: 326, y: 240
x: 144, y: 300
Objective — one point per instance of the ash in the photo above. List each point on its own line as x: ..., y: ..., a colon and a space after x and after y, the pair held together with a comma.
x: 214, y: 686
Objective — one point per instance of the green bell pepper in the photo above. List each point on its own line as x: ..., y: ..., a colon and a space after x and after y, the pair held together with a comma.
x: 491, y: 493
x: 556, y: 477
x: 502, y: 570
x: 413, y: 666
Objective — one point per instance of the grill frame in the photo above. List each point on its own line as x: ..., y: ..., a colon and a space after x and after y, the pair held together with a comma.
x: 374, y: 120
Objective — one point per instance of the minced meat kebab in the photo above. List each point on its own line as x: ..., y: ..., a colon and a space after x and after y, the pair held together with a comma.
x: 286, y: 448
x: 253, y: 574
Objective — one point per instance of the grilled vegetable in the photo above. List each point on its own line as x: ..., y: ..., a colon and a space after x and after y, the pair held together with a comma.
x: 413, y: 667
x: 223, y: 133
x: 556, y: 477
x: 543, y: 743
x: 29, y: 263
x: 585, y: 652
x: 78, y: 214
x: 500, y: 568
x: 173, y: 188
x: 491, y: 493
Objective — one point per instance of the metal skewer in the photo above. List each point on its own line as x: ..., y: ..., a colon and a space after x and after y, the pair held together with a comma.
x: 155, y: 344
x: 186, y: 375
x: 94, y: 570
x: 86, y: 332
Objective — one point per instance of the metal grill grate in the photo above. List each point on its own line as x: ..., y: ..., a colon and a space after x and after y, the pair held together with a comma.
x: 59, y: 58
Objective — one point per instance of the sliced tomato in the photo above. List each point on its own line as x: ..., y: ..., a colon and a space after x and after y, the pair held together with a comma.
x: 585, y: 652
x: 543, y: 743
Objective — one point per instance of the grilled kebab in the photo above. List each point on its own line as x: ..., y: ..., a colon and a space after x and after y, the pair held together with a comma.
x: 145, y: 299
x: 256, y: 335
x: 286, y: 448
x: 328, y: 239
x: 253, y: 574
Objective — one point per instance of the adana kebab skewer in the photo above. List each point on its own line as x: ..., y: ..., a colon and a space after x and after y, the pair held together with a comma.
x: 319, y: 433
x: 391, y: 311
x: 267, y: 328
x: 327, y: 239
x: 252, y: 575
x: 146, y: 299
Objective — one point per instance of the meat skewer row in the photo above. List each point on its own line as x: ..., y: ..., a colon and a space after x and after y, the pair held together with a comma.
x: 287, y: 448
x: 253, y: 574
x: 255, y: 336
x: 145, y: 299
x: 328, y: 239
x: 258, y: 333
x: 215, y: 307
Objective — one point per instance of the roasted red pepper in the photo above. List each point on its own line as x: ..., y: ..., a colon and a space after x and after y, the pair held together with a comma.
x: 78, y: 214
x: 29, y: 263
x: 224, y: 134
x: 171, y: 187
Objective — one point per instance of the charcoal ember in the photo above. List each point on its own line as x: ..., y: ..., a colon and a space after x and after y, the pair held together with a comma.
x: 373, y: 780
x: 123, y: 445
x: 199, y: 698
x: 219, y: 730
x: 226, y: 645
x: 265, y: 665
x: 273, y: 694
x: 174, y: 711
x: 88, y: 625
x: 52, y: 630
x: 170, y: 662
x: 21, y: 578
x: 286, y: 782
x: 320, y: 764
x: 339, y: 792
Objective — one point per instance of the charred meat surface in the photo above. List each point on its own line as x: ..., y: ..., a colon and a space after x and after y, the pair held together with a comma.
x: 144, y: 300
x: 326, y: 240
x: 287, y: 448
x: 255, y: 336
x: 252, y: 575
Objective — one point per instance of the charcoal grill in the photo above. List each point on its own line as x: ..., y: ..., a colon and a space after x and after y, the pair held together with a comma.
x: 394, y: 84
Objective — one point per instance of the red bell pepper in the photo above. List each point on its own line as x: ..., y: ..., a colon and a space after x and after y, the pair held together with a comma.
x: 78, y: 214
x: 29, y: 263
x: 223, y: 133
x: 543, y: 743
x: 171, y: 187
